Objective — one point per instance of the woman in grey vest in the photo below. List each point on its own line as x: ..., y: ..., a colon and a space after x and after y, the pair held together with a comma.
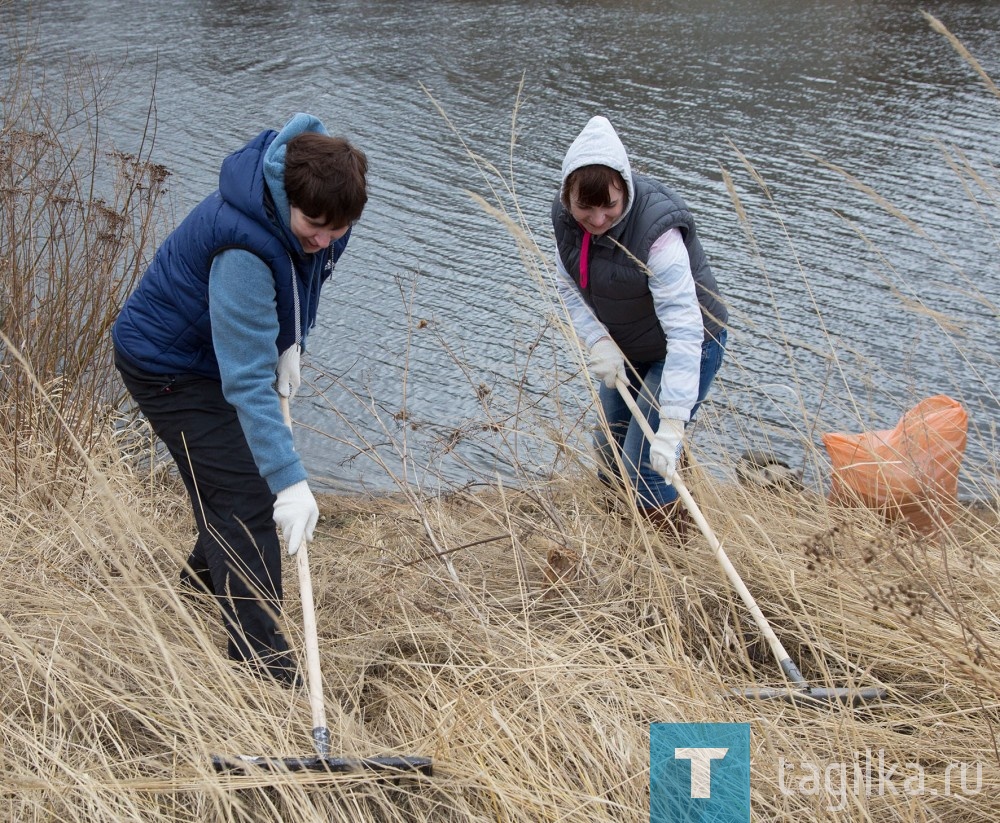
x: 642, y: 298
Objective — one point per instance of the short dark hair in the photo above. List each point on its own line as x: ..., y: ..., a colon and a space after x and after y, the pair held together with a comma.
x: 592, y: 184
x: 326, y: 177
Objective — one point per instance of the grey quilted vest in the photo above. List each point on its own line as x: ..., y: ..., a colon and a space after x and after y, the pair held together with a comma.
x: 617, y: 288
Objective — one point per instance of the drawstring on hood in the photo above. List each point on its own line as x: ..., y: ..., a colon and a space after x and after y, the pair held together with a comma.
x: 599, y: 145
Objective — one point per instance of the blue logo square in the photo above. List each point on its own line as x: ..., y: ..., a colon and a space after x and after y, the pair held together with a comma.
x: 699, y: 772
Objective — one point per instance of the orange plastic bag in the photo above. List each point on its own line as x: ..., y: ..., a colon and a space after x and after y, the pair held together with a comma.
x: 908, y: 472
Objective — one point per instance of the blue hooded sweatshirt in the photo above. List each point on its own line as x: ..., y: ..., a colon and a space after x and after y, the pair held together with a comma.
x: 229, y: 290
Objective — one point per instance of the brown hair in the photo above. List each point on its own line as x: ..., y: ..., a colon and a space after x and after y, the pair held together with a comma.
x: 591, y: 185
x: 326, y: 178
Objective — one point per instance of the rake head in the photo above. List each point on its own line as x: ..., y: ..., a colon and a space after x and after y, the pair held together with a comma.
x: 392, y: 766
x: 815, y: 696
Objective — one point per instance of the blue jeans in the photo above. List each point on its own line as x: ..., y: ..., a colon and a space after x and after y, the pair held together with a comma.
x: 649, y: 486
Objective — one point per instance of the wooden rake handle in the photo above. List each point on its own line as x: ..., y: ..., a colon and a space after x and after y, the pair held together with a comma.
x: 784, y: 659
x: 314, y: 678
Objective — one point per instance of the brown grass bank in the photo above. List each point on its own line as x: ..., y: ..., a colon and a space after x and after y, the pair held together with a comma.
x: 534, y: 698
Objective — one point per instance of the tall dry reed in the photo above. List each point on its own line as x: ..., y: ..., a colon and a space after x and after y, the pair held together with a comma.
x: 77, y: 223
x: 525, y: 638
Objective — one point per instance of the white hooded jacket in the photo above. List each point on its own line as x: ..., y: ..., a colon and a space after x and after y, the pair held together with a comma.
x: 671, y: 283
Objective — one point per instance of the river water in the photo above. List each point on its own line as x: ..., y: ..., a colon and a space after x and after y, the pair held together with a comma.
x: 838, y: 157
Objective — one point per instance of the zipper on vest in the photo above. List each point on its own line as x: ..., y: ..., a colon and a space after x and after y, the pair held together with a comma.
x: 296, y: 304
x: 584, y: 262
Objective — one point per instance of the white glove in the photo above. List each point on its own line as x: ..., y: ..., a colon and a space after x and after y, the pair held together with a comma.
x: 296, y: 513
x: 665, y: 450
x: 289, y: 376
x: 607, y: 362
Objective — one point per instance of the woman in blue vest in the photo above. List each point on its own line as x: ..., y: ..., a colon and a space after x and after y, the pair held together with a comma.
x: 642, y: 298
x: 211, y: 336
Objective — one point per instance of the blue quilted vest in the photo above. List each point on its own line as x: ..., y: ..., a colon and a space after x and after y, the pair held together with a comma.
x: 165, y: 327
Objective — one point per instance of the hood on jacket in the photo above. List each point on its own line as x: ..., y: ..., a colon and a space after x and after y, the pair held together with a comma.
x: 260, y: 165
x: 599, y: 144
x: 274, y: 166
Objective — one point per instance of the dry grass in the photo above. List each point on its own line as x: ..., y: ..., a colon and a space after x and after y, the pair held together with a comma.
x: 524, y: 638
x: 76, y: 220
x: 534, y: 698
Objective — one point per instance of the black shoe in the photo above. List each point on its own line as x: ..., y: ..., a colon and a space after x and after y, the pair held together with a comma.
x: 280, y: 669
x: 288, y: 679
x: 196, y: 581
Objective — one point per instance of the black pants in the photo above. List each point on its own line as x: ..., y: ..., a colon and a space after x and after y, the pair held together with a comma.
x: 237, y: 556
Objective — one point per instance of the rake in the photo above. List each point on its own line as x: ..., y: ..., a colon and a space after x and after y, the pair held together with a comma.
x: 322, y: 761
x: 799, y: 689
